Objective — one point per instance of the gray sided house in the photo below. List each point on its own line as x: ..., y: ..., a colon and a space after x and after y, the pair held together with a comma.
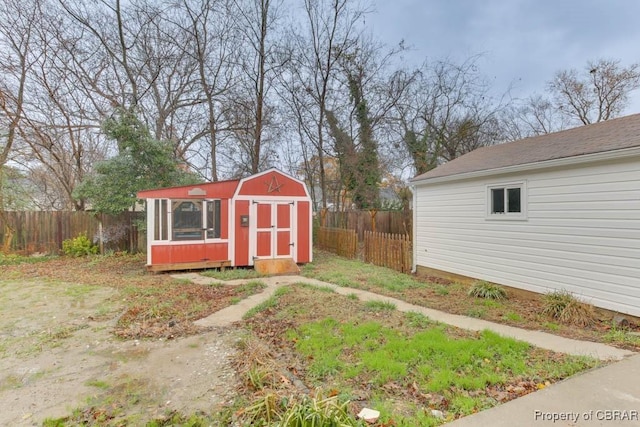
x: 554, y: 212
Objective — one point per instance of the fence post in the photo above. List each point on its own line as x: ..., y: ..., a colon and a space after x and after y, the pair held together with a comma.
x: 100, y: 236
x: 373, y: 213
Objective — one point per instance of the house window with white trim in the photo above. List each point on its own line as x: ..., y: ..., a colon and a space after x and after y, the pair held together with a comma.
x: 506, y: 201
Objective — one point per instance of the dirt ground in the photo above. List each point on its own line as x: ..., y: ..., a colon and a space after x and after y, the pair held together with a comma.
x: 57, y: 352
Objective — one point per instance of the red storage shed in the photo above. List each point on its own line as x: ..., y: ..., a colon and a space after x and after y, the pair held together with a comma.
x: 266, y: 216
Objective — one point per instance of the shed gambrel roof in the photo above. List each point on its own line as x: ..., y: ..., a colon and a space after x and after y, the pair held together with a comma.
x: 608, y: 136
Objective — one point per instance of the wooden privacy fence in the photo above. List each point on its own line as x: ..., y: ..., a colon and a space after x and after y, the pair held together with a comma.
x: 338, y: 240
x: 44, y: 231
x: 388, y: 250
x: 383, y: 249
x: 397, y: 222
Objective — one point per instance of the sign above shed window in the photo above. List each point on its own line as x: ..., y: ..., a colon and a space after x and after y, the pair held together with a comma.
x: 197, y: 192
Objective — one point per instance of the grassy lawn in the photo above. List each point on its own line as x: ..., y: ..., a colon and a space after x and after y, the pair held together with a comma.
x: 232, y: 273
x: 310, y: 352
x: 517, y: 309
x: 371, y: 355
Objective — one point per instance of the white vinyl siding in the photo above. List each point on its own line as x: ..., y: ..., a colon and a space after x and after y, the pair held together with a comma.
x: 582, y: 232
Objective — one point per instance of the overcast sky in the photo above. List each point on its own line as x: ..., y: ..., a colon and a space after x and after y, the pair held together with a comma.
x: 523, y: 42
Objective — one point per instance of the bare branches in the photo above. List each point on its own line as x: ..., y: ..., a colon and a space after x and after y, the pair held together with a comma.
x: 599, y: 93
x: 447, y: 111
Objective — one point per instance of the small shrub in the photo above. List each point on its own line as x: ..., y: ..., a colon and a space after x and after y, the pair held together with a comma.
x: 257, y: 378
x: 564, y: 307
x: 319, y: 411
x: 487, y: 290
x: 265, y: 410
x: 79, y: 246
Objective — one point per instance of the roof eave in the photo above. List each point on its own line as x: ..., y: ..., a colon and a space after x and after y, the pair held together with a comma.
x: 565, y: 161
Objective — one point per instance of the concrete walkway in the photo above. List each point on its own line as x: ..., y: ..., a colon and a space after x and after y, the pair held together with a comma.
x: 607, y: 396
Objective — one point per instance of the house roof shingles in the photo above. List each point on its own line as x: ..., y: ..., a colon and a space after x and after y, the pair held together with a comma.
x: 610, y: 135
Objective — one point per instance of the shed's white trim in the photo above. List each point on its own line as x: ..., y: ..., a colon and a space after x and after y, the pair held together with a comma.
x: 150, y: 221
x: 258, y: 175
x: 283, y: 199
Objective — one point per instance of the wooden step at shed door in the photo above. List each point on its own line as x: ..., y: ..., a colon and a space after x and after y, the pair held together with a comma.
x: 277, y: 266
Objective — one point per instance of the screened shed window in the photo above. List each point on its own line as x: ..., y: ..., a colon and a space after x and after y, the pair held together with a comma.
x: 187, y: 220
x: 213, y: 219
x: 190, y: 220
x: 506, y: 200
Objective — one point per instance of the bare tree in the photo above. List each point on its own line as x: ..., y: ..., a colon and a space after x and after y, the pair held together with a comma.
x: 213, y: 45
x: 18, y: 23
x: 59, y: 123
x: 258, y: 65
x: 369, y: 88
x: 535, y: 115
x: 447, y: 112
x: 116, y: 31
x: 599, y: 93
x: 330, y: 30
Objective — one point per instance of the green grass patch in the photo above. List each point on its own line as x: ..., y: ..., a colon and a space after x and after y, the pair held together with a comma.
x: 621, y: 336
x: 357, y: 274
x: 512, y: 317
x: 78, y: 291
x: 418, y: 320
x: 442, y: 290
x: 325, y: 288
x: 477, y: 312
x: 402, y: 364
x: 103, y: 385
x: 14, y: 259
x: 379, y: 305
x: 269, y: 303
x: 552, y: 326
x: 438, y: 362
x: 251, y: 287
